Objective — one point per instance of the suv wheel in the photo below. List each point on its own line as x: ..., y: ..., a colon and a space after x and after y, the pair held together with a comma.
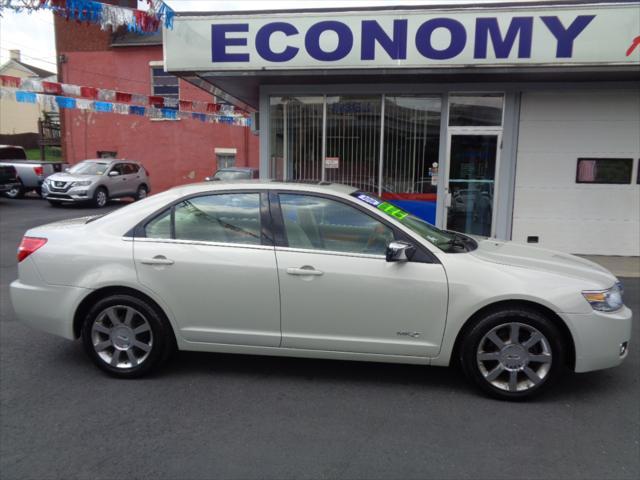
x: 15, y: 192
x: 126, y: 336
x: 142, y: 192
x: 513, y: 354
x: 100, y: 197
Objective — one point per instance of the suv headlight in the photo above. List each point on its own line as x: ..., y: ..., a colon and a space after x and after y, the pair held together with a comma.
x: 82, y: 183
x: 605, y: 300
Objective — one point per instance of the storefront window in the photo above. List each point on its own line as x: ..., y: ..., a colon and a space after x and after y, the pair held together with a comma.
x: 474, y: 110
x: 296, y: 138
x: 353, y: 140
x: 411, y: 150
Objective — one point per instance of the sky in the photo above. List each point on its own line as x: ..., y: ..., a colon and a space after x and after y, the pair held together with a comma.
x: 32, y: 33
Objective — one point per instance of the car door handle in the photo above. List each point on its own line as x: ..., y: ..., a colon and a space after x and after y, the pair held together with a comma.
x: 157, y: 260
x: 306, y: 270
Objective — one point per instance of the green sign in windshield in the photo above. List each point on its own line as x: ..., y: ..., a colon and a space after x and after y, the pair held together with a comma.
x: 392, y: 210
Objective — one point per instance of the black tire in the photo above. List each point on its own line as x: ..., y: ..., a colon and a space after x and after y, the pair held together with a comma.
x: 528, y: 321
x: 100, y: 197
x: 160, y: 339
x: 53, y: 203
x: 16, y: 192
x: 142, y: 192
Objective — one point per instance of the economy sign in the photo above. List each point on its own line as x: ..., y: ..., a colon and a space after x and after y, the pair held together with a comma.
x: 405, y: 39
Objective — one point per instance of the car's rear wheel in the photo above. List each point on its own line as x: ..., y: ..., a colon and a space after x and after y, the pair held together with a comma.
x: 126, y: 336
x: 142, y: 192
x: 16, y: 192
x: 513, y: 354
x: 100, y: 197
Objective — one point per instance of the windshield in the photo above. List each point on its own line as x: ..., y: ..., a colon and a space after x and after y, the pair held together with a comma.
x: 444, y: 240
x: 89, y: 168
x: 231, y: 175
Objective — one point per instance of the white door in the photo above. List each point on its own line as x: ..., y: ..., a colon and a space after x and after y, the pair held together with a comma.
x: 210, y: 267
x: 339, y: 293
x: 471, y: 181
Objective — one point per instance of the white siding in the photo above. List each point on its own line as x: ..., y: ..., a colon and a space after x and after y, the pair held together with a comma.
x: 556, y: 128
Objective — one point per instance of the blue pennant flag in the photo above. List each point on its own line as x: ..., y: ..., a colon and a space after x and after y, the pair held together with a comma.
x: 135, y: 110
x: 66, y: 102
x: 25, y: 97
x: 103, y: 106
x: 169, y: 113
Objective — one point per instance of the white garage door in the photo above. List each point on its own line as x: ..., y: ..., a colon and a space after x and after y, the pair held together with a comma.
x: 565, y: 206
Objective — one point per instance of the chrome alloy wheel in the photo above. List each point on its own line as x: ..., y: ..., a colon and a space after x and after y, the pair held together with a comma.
x: 514, y: 357
x: 122, y: 336
x: 101, y: 198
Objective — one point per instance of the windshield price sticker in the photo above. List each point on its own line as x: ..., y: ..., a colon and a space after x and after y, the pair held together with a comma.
x: 392, y: 210
x: 369, y: 200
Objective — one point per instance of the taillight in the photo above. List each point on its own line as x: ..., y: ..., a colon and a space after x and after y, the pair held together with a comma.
x: 28, y: 245
x: 38, y: 171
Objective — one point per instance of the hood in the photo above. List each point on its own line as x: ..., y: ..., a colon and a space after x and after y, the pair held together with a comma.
x: 69, y: 177
x: 518, y: 255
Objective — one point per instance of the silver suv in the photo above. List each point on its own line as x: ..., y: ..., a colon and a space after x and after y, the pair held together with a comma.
x: 97, y: 181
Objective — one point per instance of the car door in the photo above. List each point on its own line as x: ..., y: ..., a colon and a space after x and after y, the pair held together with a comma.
x: 208, y: 259
x: 116, y: 183
x: 339, y: 293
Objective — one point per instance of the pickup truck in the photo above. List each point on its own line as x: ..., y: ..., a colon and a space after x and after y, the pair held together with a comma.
x: 8, y: 178
x: 31, y: 173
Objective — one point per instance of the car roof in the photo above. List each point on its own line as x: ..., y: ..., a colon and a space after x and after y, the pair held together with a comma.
x: 109, y: 160
x: 317, y: 187
x: 235, y: 169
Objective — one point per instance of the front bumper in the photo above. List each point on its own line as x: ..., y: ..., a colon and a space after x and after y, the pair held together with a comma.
x: 71, y: 195
x: 598, y: 338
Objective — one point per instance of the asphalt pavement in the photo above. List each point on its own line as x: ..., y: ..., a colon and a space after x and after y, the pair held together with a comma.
x: 232, y: 416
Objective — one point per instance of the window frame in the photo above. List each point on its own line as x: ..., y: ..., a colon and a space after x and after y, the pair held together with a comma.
x: 422, y: 254
x: 628, y: 182
x: 266, y: 236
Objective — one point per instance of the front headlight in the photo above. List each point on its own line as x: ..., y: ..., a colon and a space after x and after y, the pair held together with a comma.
x: 605, y: 300
x: 83, y: 183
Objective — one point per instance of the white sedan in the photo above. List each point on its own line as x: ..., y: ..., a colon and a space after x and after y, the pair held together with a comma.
x: 320, y: 271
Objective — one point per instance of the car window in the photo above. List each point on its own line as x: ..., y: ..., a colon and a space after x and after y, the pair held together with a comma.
x: 323, y: 224
x: 159, y: 227
x: 89, y: 168
x: 226, y: 218
x: 118, y: 167
x: 130, y: 168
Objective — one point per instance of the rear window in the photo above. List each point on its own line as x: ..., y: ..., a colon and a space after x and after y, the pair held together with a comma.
x: 12, y: 153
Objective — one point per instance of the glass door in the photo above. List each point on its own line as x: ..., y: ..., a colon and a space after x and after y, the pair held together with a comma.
x: 471, y: 182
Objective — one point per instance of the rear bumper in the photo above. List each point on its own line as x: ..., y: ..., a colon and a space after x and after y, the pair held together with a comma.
x: 49, y: 308
x: 598, y: 338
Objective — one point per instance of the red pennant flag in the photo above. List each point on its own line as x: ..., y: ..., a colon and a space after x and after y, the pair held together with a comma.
x: 52, y: 87
x: 213, y: 107
x: 89, y: 92
x: 156, y: 101
x: 186, y: 105
x: 123, y: 97
x: 8, y: 81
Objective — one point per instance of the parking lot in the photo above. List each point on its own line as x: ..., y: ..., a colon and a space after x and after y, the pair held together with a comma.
x: 230, y: 416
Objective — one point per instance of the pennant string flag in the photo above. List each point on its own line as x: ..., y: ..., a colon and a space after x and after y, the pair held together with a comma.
x: 106, y: 15
x: 55, y: 103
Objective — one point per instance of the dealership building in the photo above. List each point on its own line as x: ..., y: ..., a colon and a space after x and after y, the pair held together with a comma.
x: 519, y: 121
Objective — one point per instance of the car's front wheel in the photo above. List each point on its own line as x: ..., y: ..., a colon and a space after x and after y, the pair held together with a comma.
x: 513, y: 354
x: 100, y: 197
x: 126, y: 336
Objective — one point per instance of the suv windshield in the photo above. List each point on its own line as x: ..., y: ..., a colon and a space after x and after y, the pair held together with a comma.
x: 444, y: 240
x: 89, y: 168
x: 231, y: 175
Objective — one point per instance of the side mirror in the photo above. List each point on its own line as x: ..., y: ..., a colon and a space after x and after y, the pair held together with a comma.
x: 399, y: 251
x: 114, y: 173
x: 66, y: 169
x: 207, y: 179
